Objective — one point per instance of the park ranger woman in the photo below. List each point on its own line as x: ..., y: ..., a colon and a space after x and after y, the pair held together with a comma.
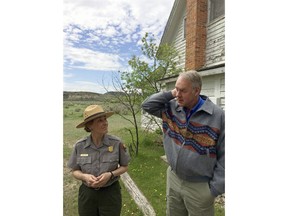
x: 98, y: 160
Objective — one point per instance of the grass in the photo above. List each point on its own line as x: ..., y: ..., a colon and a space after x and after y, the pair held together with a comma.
x: 147, y: 169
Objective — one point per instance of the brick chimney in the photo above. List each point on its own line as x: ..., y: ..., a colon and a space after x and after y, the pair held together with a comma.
x: 196, y: 20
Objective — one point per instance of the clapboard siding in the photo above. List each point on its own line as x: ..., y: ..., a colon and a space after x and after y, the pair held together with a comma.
x: 222, y: 91
x: 215, y: 44
x: 208, y: 86
x: 213, y: 86
x: 222, y: 86
x: 180, y: 44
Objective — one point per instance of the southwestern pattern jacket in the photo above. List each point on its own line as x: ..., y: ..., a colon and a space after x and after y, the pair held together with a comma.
x: 195, y: 149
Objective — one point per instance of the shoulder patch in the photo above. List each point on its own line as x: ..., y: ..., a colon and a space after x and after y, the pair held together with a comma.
x: 123, y: 146
x: 111, y: 137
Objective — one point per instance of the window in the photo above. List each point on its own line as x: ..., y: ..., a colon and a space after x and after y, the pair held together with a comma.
x: 217, y: 9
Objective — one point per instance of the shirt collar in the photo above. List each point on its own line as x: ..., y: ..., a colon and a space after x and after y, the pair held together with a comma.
x: 89, y: 141
x: 205, y: 107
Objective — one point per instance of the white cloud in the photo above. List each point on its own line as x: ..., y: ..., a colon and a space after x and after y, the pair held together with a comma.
x: 120, y: 17
x: 92, y: 60
x: 68, y: 75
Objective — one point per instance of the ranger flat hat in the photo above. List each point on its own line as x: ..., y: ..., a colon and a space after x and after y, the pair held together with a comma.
x: 91, y: 112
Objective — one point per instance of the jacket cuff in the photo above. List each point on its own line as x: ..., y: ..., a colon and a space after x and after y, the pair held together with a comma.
x: 168, y: 95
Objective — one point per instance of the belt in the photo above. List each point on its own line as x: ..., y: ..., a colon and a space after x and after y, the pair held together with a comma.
x: 100, y: 188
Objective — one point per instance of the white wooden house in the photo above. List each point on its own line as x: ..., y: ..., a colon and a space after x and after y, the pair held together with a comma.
x: 196, y: 28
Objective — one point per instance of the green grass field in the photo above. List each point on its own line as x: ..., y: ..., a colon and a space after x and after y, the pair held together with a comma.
x: 147, y: 170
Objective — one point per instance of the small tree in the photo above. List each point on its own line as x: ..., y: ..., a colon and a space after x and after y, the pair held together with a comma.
x: 130, y: 99
x: 161, y: 62
x: 142, y: 81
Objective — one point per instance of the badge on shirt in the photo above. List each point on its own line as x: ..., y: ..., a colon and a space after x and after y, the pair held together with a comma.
x: 110, y: 148
x: 83, y: 155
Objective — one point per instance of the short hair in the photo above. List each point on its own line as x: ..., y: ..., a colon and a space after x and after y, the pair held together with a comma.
x: 86, y: 128
x: 192, y: 76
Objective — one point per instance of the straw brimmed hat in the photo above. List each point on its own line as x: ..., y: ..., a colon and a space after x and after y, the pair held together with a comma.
x: 92, y: 112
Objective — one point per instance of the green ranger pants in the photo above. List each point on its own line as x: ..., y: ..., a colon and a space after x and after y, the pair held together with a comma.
x: 102, y: 202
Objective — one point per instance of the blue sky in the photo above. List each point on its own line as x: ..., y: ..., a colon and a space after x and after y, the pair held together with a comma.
x: 100, y: 38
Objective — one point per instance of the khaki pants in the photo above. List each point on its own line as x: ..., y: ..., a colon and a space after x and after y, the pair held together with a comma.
x: 188, y: 198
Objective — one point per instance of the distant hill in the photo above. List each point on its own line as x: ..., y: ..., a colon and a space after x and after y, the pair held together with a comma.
x: 87, y: 96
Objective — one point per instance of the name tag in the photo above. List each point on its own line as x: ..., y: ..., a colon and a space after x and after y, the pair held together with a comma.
x: 83, y: 155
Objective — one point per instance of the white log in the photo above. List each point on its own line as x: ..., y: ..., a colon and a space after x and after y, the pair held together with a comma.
x: 137, y: 195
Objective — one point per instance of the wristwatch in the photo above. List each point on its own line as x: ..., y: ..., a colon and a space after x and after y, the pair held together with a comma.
x: 112, y: 175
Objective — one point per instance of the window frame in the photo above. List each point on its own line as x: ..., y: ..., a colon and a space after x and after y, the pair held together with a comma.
x: 212, y: 7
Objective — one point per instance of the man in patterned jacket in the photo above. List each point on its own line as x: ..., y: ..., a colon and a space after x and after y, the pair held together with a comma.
x: 194, y: 143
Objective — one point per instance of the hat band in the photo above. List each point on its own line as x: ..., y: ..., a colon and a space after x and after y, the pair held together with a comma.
x: 94, y: 115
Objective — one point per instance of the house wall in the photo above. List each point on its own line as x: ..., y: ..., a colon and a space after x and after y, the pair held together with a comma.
x: 213, y: 86
x: 215, y: 44
x: 179, y: 41
x: 170, y: 85
x: 215, y: 56
x: 203, y: 49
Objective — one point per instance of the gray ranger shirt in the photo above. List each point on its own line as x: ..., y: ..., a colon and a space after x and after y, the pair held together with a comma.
x: 97, y: 160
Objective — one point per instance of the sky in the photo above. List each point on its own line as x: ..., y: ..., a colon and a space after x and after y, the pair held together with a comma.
x: 100, y: 37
